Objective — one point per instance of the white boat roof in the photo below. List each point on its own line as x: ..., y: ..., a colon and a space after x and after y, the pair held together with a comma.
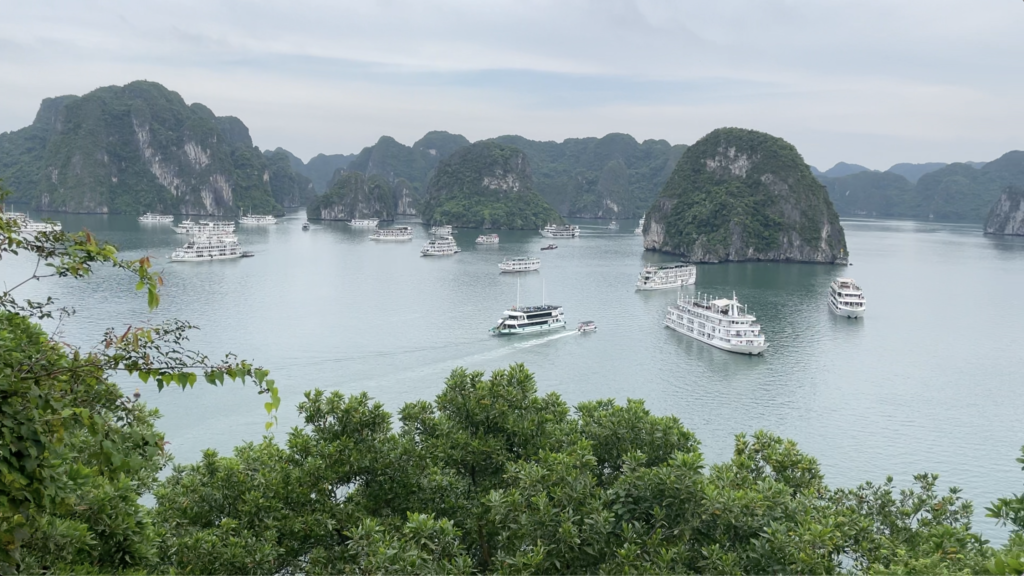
x: 721, y: 302
x: 850, y: 280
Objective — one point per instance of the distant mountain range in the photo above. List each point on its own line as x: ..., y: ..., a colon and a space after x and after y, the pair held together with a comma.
x: 140, y: 147
x: 958, y: 192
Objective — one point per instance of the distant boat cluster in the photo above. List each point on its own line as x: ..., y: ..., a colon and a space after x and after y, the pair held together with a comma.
x: 210, y: 239
x: 28, y: 225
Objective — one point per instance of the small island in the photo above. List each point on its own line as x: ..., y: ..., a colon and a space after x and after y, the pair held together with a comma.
x: 741, y: 195
x: 1006, y: 216
x: 486, y: 185
x: 354, y: 196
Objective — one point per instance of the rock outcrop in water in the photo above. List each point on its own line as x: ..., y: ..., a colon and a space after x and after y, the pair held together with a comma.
x: 136, y: 148
x: 354, y: 196
x: 740, y: 195
x: 1007, y: 214
x: 486, y: 185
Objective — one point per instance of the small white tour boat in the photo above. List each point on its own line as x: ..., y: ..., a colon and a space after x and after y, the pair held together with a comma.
x: 441, y: 246
x: 364, y: 223
x: 666, y: 276
x: 305, y: 226
x: 587, y: 326
x: 567, y: 231
x: 613, y: 225
x: 444, y: 230
x: 640, y: 229
x: 202, y: 248
x: 30, y: 225
x: 150, y: 217
x: 722, y: 323
x: 257, y: 219
x: 397, y: 234
x: 845, y: 298
x: 519, y: 264
x: 487, y: 239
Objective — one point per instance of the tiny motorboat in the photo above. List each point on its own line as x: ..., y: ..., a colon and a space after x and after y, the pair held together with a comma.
x: 305, y: 226
x: 248, y: 254
x: 587, y: 326
x: 549, y: 247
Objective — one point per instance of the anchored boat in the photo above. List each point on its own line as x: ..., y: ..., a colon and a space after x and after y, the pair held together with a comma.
x: 567, y: 231
x: 845, y: 298
x: 442, y: 246
x: 396, y: 234
x: 666, y: 276
x: 519, y: 264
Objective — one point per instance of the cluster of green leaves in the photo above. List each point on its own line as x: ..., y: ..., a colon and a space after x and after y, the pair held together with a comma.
x: 94, y: 154
x: 486, y: 185
x: 490, y: 477
x: 75, y: 454
x: 957, y: 192
x: 353, y: 195
x: 609, y: 177
x: 745, y: 195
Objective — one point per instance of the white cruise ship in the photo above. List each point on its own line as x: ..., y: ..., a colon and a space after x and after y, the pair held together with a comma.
x: 846, y: 298
x: 722, y: 323
x: 523, y: 319
x: 206, y: 227
x: 567, y: 231
x: 640, y: 228
x: 150, y: 217
x: 364, y: 223
x: 396, y: 234
x: 202, y: 248
x: 519, y: 264
x: 666, y: 276
x: 441, y: 230
x: 487, y: 239
x: 257, y: 219
x: 440, y: 246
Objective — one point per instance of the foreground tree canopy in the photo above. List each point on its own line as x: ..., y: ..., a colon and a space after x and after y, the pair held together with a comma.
x: 489, y: 477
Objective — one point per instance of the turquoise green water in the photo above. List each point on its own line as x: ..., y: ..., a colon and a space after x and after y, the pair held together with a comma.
x: 929, y: 381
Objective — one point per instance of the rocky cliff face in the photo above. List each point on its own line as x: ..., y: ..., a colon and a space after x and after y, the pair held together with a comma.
x: 136, y: 148
x: 743, y: 195
x: 486, y: 185
x: 1007, y: 214
x: 354, y: 196
x: 290, y: 188
x: 406, y: 199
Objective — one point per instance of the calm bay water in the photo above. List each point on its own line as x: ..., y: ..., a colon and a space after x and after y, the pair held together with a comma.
x: 929, y: 381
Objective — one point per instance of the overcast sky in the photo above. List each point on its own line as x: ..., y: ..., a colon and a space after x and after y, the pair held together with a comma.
x: 873, y: 82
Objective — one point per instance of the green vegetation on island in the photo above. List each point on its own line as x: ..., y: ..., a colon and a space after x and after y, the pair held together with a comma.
x: 744, y: 195
x: 289, y: 187
x: 489, y: 477
x: 139, y: 148
x: 319, y: 170
x: 610, y: 177
x: 486, y: 185
x: 354, y: 196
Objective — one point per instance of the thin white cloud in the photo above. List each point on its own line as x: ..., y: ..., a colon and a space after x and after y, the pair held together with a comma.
x: 867, y: 81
